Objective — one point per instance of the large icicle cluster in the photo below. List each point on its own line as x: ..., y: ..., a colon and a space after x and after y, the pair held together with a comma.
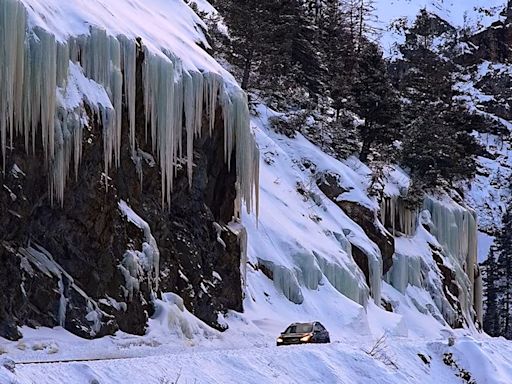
x: 35, y: 72
x: 439, y: 221
x: 455, y: 228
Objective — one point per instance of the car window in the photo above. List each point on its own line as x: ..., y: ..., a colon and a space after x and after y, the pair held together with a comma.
x: 299, y: 328
x: 319, y: 327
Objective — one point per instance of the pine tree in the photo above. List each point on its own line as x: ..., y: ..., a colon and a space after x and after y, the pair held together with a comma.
x: 338, y: 53
x: 295, y: 39
x: 438, y: 145
x: 357, y: 74
x: 361, y: 20
x: 504, y: 265
x: 491, y: 281
x: 375, y: 100
x: 273, y: 43
x: 251, y: 25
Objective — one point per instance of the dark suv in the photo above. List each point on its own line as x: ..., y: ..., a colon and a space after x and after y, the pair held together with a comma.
x: 304, y: 333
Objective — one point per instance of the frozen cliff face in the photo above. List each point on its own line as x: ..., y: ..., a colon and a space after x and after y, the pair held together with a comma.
x: 455, y: 227
x: 436, y: 248
x: 125, y: 147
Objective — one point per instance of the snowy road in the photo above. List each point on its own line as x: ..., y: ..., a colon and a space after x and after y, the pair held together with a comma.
x: 339, y: 362
x: 335, y: 363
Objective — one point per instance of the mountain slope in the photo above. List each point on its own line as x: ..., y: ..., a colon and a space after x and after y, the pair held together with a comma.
x: 459, y: 13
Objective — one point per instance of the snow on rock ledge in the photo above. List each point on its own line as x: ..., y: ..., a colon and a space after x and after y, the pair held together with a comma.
x: 45, y: 41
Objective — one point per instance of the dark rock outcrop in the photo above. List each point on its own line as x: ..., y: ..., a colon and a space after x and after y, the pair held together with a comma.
x: 492, y: 44
x: 366, y: 218
x: 361, y: 260
x: 450, y: 289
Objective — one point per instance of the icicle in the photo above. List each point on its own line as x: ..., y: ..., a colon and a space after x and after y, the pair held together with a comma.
x: 397, y: 217
x: 406, y: 270
x: 129, y: 48
x: 189, y: 106
x: 34, y: 68
x: 455, y: 228
x: 12, y: 63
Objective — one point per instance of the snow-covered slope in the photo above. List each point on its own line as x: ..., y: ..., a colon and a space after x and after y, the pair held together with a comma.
x: 301, y: 230
x: 489, y: 193
x: 306, y: 253
x: 305, y: 243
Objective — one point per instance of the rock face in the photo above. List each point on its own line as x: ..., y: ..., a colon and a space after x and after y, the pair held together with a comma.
x: 367, y: 220
x: 493, y: 43
x: 60, y: 264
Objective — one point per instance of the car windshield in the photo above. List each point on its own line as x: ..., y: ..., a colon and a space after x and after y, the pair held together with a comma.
x: 299, y: 328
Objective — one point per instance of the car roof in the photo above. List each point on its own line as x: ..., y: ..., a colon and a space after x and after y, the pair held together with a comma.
x: 309, y: 323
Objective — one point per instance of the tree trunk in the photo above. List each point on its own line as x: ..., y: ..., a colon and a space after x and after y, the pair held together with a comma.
x: 361, y: 26
x: 368, y: 139
x: 247, y: 72
x: 365, y: 150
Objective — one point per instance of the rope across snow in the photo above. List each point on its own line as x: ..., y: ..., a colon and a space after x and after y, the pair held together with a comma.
x: 42, y: 75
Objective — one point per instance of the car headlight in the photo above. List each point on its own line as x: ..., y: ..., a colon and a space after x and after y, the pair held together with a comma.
x: 279, y: 340
x: 306, y: 338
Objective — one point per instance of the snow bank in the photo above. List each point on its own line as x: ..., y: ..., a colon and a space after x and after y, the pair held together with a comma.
x: 171, y: 318
x: 401, y: 361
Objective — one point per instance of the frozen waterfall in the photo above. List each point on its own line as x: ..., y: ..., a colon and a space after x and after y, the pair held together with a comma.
x: 455, y: 227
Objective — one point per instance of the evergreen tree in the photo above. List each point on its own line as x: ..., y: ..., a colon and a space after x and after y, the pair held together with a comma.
x: 491, y: 281
x: 357, y: 74
x: 273, y: 44
x: 438, y: 145
x: 338, y: 52
x: 361, y: 20
x: 250, y: 25
x: 375, y: 100
x: 295, y: 55
x: 504, y: 265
